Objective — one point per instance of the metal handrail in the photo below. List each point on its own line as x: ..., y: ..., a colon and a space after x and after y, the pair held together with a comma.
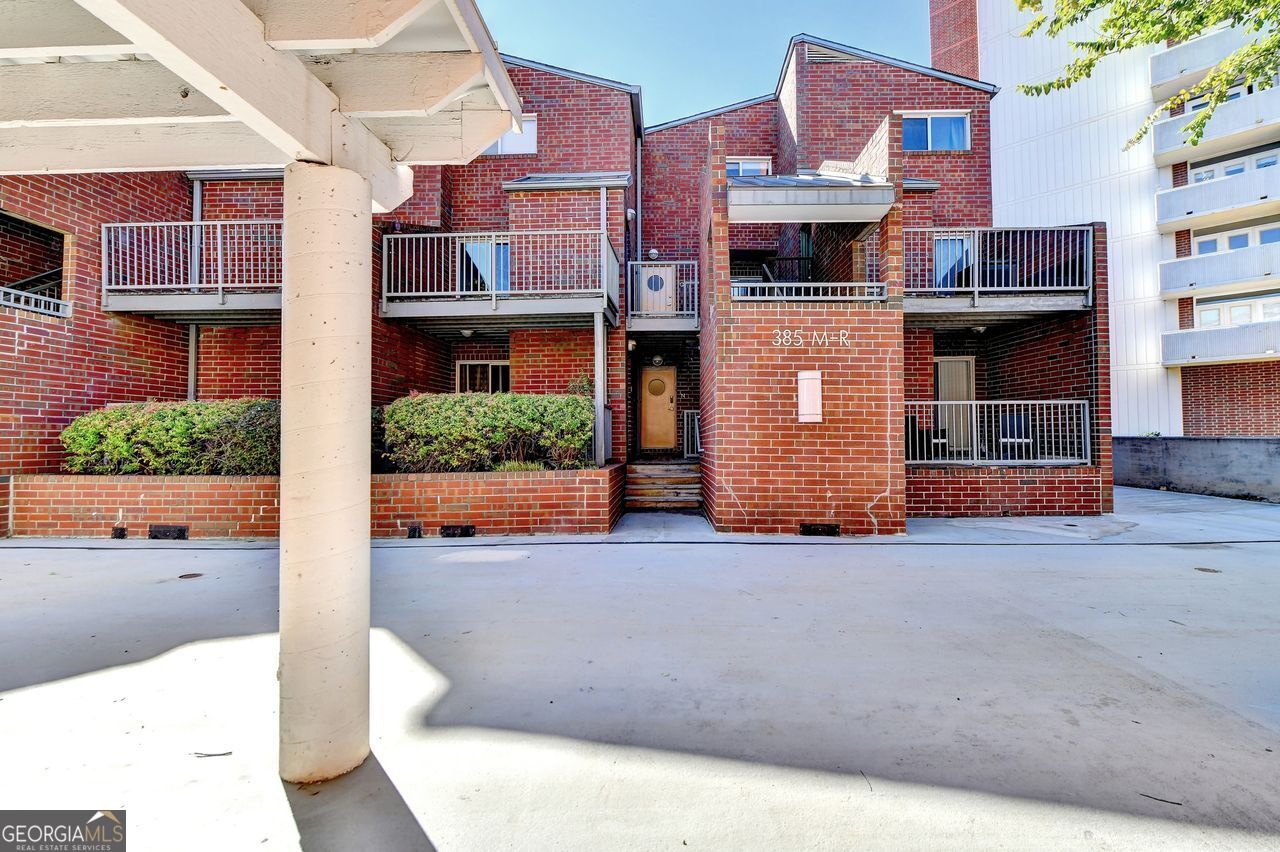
x: 1015, y: 432
x: 34, y: 302
x: 997, y: 261
x: 210, y: 257
x: 494, y: 265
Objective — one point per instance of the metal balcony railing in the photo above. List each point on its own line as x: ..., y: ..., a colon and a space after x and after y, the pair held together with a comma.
x: 157, y: 258
x: 422, y: 267
x: 997, y: 433
x: 40, y: 294
x: 692, y: 433
x: 997, y: 261
x: 663, y: 290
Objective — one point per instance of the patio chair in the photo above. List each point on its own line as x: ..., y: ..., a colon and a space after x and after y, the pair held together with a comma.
x: 1016, y: 441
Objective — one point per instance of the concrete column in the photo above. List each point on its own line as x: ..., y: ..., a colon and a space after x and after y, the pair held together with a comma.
x: 326, y: 336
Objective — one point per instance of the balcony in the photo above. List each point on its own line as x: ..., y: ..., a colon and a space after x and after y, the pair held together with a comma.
x: 663, y: 296
x: 447, y: 281
x: 998, y: 433
x: 1221, y: 273
x: 968, y: 272
x: 1236, y: 125
x: 797, y: 279
x: 226, y: 272
x: 1259, y: 341
x: 1184, y: 65
x: 1251, y: 195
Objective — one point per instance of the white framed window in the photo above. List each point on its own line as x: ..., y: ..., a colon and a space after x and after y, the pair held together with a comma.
x: 1238, y: 311
x: 746, y: 166
x: 943, y: 131
x: 1265, y: 160
x: 517, y: 143
x: 1259, y: 235
x: 484, y: 377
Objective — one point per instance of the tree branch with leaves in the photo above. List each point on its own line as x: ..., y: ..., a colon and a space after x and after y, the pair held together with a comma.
x: 1121, y: 25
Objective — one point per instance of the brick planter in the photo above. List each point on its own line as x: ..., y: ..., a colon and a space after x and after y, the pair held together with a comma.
x: 582, y: 501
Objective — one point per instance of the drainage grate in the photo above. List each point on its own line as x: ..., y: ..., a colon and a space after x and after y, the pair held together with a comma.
x: 415, y: 530
x: 458, y: 531
x: 820, y: 529
x: 167, y: 532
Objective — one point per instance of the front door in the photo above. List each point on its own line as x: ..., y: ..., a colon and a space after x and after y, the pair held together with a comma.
x: 954, y: 382
x: 657, y: 290
x: 658, y: 408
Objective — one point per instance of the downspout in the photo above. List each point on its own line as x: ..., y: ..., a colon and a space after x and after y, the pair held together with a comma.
x: 193, y: 362
x: 640, y: 197
x: 601, y: 383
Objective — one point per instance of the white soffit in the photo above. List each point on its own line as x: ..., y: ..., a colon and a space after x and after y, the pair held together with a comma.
x: 809, y: 198
x: 138, y: 85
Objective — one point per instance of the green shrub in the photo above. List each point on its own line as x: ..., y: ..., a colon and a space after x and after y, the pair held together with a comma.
x: 518, y: 466
x: 232, y: 438
x: 428, y: 433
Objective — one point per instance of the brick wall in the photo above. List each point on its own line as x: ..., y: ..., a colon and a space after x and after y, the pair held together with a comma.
x: 582, y: 127
x: 674, y: 160
x: 546, y: 360
x: 959, y: 492
x: 583, y: 501
x: 953, y: 36
x: 242, y: 199
x: 234, y: 362
x: 26, y: 250
x: 54, y: 369
x: 1230, y: 400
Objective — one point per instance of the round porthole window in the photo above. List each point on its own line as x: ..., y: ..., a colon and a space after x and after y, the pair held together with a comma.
x: 657, y: 387
x: 655, y: 283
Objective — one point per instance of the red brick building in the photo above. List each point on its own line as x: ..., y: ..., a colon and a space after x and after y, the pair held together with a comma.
x: 791, y: 310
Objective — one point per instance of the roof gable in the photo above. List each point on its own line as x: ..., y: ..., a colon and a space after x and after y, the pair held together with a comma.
x: 844, y: 50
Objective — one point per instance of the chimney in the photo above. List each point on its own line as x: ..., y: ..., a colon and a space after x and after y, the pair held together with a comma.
x: 953, y: 36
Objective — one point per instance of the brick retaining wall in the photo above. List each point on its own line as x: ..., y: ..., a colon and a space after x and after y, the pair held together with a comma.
x: 583, y: 501
x: 952, y: 492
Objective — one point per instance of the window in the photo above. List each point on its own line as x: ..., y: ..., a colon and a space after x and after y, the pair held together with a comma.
x: 517, y: 143
x: 746, y: 166
x: 484, y: 376
x: 950, y: 262
x: 1237, y: 310
x: 484, y: 266
x: 935, y: 133
x: 1203, y: 175
x: 1242, y: 239
x: 1266, y: 161
x: 1235, y: 167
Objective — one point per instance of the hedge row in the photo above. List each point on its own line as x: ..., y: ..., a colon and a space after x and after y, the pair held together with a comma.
x: 417, y: 434
x: 233, y: 438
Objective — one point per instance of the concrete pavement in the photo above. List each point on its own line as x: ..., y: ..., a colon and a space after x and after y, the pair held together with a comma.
x: 1028, y: 684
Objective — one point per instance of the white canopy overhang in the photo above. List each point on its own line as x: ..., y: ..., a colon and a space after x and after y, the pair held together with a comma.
x: 809, y: 197
x: 374, y: 86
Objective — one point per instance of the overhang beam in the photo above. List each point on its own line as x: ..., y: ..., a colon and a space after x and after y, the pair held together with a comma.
x: 136, y: 148
x: 335, y: 24
x: 217, y: 46
x: 48, y: 29
x: 385, y: 85
x: 87, y: 93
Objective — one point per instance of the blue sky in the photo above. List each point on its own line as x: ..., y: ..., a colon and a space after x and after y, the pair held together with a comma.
x: 692, y: 55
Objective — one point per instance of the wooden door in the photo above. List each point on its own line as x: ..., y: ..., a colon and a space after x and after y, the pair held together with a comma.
x: 658, y: 408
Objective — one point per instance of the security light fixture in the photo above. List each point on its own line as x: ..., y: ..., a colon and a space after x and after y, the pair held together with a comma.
x: 653, y: 254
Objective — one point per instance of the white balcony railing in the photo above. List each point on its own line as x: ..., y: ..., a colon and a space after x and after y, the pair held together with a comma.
x: 35, y: 302
x: 663, y: 290
x: 797, y: 279
x: 1238, y: 124
x: 997, y: 433
x: 1250, y: 195
x: 1256, y: 341
x: 1184, y: 65
x: 1222, y: 271
x: 515, y: 264
x: 997, y: 261
x: 158, y: 258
